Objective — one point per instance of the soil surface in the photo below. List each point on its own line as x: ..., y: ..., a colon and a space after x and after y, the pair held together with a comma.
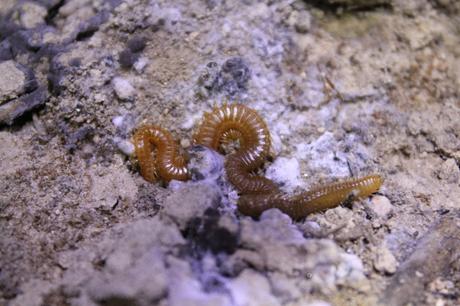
x: 347, y: 88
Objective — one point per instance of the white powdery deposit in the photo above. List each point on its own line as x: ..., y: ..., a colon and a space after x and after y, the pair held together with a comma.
x: 285, y: 172
x: 252, y: 289
x: 324, y: 155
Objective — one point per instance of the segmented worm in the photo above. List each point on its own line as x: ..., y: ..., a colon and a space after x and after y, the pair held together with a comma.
x: 238, y: 122
x: 167, y: 163
x: 317, y: 199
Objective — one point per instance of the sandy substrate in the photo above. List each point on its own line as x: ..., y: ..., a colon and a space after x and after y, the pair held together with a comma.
x: 347, y: 88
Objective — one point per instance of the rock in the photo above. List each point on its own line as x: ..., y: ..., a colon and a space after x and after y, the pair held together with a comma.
x: 12, y: 153
x: 209, y: 76
x: 449, y: 171
x: 6, y: 6
x: 349, y: 270
x: 118, y: 121
x: 442, y: 286
x: 136, y: 44
x: 126, y: 263
x: 131, y: 54
x: 205, y: 164
x: 384, y: 261
x: 133, y: 256
x: 252, y: 289
x: 125, y: 146
x: 303, y: 22
x: 230, y: 223
x: 125, y: 124
x: 127, y: 58
x: 123, y: 88
x: 140, y: 64
x: 310, y: 228
x: 191, y: 200
x: 207, y: 233
x: 185, y: 289
x: 130, y: 279
x: 32, y: 15
x: 15, y: 80
x: 435, y: 255
x: 235, y: 75
x: 5, y: 51
x: 32, y: 289
x: 277, y: 245
x: 380, y: 206
x: 16, y: 108
x: 343, y: 218
x: 230, y: 79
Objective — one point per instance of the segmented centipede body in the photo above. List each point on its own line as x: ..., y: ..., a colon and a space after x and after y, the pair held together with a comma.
x: 239, y: 122
x: 167, y: 163
x: 229, y: 122
x: 317, y: 199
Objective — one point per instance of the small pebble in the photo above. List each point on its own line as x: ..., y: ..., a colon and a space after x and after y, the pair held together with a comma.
x: 32, y: 14
x: 123, y: 88
x: 136, y: 44
x: 303, y: 22
x: 384, y: 261
x: 381, y: 206
x: 185, y: 143
x: 441, y: 286
x: 118, y: 121
x: 449, y: 171
x: 127, y: 58
x: 205, y: 163
x: 12, y: 82
x: 125, y: 146
x: 140, y: 64
x: 99, y: 98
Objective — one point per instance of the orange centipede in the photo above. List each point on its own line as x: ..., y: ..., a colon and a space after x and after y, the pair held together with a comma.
x: 307, y: 202
x: 241, y: 123
x: 167, y: 164
x: 237, y: 120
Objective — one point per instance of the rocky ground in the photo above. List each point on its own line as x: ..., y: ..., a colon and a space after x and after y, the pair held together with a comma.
x: 347, y: 87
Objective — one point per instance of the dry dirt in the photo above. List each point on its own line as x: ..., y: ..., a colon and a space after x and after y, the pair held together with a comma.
x: 347, y: 88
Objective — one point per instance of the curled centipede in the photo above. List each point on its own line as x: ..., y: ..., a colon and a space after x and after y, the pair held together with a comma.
x: 240, y: 123
x: 167, y: 164
x: 237, y: 120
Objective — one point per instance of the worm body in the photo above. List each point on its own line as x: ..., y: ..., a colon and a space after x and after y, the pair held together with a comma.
x: 167, y: 163
x: 239, y: 122
x: 318, y: 199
